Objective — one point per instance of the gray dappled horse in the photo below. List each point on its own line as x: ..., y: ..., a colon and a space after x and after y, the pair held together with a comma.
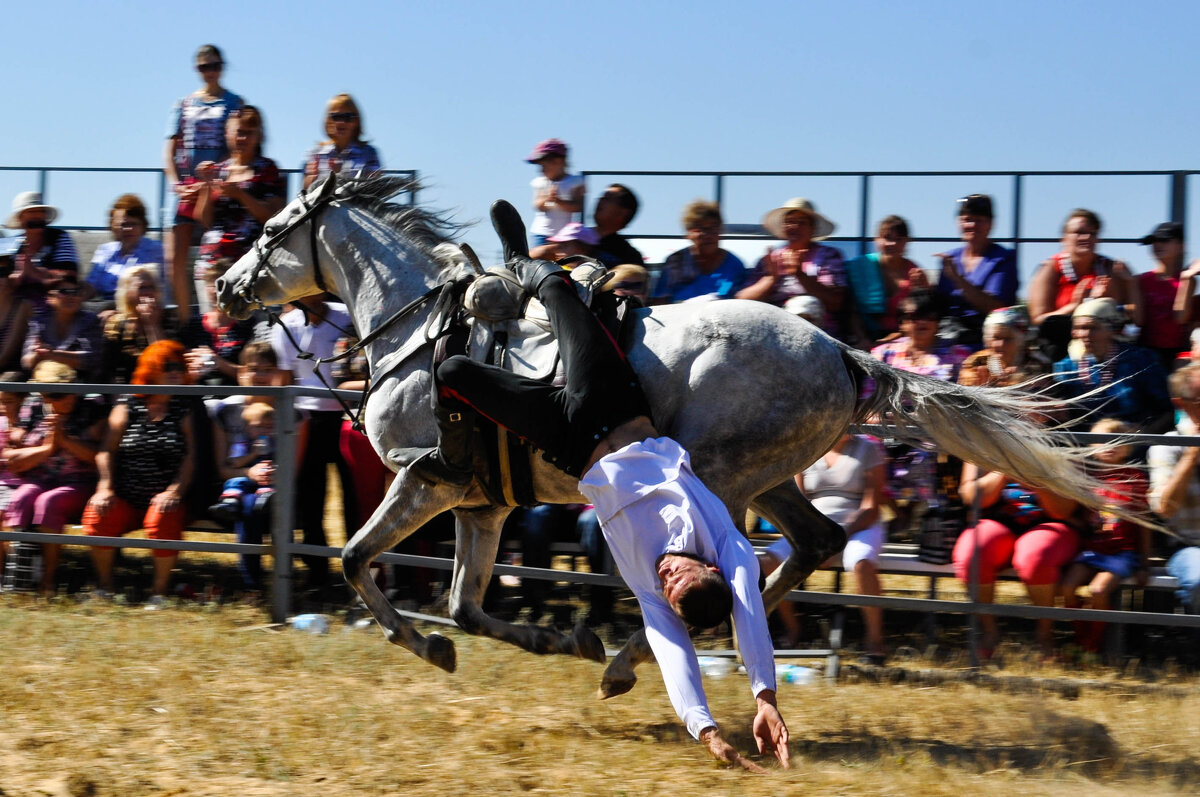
x: 753, y: 392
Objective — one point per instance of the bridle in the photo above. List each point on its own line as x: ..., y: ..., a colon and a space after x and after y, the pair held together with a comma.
x: 263, y: 251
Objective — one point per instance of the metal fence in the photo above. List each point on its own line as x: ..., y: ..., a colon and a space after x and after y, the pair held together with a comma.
x: 1175, y: 195
x: 45, y: 186
x: 283, y: 545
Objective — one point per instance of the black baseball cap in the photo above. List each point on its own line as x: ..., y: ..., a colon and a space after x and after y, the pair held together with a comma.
x: 976, y: 205
x: 1167, y: 231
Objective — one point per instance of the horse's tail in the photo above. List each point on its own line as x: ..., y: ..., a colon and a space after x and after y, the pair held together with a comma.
x: 989, y: 426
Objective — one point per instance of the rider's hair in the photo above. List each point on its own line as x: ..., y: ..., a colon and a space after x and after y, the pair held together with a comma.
x: 708, y: 600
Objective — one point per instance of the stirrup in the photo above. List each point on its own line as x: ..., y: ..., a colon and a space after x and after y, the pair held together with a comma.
x: 431, y: 467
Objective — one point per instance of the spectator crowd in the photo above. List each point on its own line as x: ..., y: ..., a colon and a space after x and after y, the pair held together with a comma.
x: 1119, y: 345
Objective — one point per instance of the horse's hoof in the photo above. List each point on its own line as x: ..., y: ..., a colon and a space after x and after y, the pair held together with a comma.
x: 440, y: 652
x: 613, y: 684
x: 587, y: 645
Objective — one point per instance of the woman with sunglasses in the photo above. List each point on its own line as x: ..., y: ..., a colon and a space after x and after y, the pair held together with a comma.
x: 344, y: 152
x: 195, y: 135
x: 145, y: 467
x: 54, y: 462
x: 63, y: 332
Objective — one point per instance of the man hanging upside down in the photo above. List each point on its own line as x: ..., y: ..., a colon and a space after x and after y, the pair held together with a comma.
x: 673, y: 540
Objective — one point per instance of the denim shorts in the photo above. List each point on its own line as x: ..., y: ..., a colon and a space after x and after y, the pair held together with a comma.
x: 1122, y: 564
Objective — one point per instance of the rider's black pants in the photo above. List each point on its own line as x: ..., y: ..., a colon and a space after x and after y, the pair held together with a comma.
x: 567, y: 423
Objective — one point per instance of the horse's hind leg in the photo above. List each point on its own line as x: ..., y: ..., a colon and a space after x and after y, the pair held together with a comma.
x: 813, y: 536
x: 477, y: 540
x: 409, y: 503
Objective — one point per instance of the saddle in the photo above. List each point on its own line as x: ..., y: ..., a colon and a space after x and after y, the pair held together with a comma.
x: 501, y: 325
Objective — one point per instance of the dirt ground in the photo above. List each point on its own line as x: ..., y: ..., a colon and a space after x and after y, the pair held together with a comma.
x: 108, y: 699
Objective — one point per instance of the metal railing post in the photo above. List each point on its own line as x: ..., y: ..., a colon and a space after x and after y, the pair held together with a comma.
x: 43, y: 181
x: 283, y: 520
x: 1016, y: 225
x: 864, y: 207
x: 1179, y: 197
x: 719, y: 189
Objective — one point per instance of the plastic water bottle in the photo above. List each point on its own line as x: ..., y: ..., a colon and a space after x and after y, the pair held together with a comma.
x: 312, y: 623
x: 795, y: 674
x: 716, y: 666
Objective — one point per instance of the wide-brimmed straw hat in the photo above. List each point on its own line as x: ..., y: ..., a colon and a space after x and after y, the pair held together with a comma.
x: 29, y: 200
x: 822, y: 227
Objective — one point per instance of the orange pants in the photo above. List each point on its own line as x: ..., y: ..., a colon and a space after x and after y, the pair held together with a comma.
x: 121, y: 518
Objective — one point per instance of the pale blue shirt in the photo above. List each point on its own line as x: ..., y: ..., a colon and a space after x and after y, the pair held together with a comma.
x: 108, y: 264
x: 649, y: 502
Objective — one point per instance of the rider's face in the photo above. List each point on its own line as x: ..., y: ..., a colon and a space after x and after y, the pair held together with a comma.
x: 678, y: 573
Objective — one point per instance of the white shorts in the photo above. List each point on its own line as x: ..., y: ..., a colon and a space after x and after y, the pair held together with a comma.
x: 865, y: 545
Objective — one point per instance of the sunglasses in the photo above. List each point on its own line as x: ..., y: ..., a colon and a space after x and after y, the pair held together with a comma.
x: 217, y: 67
x: 343, y: 116
x: 65, y: 291
x: 174, y: 368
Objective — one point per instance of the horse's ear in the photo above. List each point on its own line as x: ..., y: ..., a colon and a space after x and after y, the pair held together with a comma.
x: 328, y: 186
x: 508, y: 225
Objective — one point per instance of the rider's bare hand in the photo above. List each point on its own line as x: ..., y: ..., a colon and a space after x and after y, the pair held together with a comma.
x: 770, y: 731
x: 724, y: 751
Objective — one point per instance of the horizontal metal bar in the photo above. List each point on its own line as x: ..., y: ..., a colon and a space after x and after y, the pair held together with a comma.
x: 1023, y: 173
x: 126, y: 542
x: 998, y: 609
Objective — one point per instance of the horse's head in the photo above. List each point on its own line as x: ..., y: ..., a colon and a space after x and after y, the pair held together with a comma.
x: 283, y: 264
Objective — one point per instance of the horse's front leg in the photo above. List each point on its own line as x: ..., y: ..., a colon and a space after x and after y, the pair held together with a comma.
x: 410, y: 503
x: 477, y: 541
x: 619, y: 676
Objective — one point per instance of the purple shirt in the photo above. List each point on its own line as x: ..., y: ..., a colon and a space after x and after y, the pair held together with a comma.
x: 996, y: 275
x: 824, y: 263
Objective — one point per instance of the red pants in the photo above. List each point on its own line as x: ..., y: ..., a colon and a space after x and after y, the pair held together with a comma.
x: 121, y: 518
x: 1038, y: 555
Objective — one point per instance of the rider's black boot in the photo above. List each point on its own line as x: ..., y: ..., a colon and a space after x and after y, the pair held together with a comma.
x: 452, y: 462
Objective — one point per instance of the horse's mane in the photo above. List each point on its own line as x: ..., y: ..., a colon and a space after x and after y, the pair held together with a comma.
x: 426, y: 228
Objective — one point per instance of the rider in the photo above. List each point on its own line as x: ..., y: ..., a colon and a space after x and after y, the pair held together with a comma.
x: 673, y: 540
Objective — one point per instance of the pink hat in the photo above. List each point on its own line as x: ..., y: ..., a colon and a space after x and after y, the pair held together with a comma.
x: 551, y: 146
x: 576, y: 232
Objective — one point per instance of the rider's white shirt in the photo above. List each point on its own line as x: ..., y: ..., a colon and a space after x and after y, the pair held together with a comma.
x: 649, y: 503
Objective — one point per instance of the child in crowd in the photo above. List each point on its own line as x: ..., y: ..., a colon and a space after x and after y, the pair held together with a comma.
x: 254, y: 451
x: 557, y: 195
x: 1117, y: 548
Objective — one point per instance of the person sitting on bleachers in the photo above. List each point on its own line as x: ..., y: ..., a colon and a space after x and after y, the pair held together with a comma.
x: 130, y: 247
x: 63, y: 332
x: 880, y: 280
x: 1168, y: 306
x: 846, y: 485
x: 1116, y: 548
x: 145, y: 468
x: 344, y: 151
x: 801, y: 265
x: 11, y: 432
x: 1008, y: 357
x: 919, y: 349
x: 978, y: 277
x: 572, y: 240
x: 1175, y: 487
x: 213, y: 339
x: 1033, y: 530
x: 1104, y: 375
x: 1075, y: 275
x: 703, y: 270
x: 43, y: 252
x: 55, y: 462
x: 233, y: 449
x: 139, y: 321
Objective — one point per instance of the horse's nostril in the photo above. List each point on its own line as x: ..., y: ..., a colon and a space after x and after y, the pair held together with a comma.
x: 220, y: 285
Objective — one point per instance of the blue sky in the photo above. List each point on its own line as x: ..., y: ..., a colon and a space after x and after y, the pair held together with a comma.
x: 461, y: 91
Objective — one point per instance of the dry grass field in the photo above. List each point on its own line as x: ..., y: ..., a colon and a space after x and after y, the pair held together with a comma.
x: 106, y: 699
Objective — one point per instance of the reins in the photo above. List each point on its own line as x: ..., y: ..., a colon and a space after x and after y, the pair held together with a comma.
x: 263, y: 251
